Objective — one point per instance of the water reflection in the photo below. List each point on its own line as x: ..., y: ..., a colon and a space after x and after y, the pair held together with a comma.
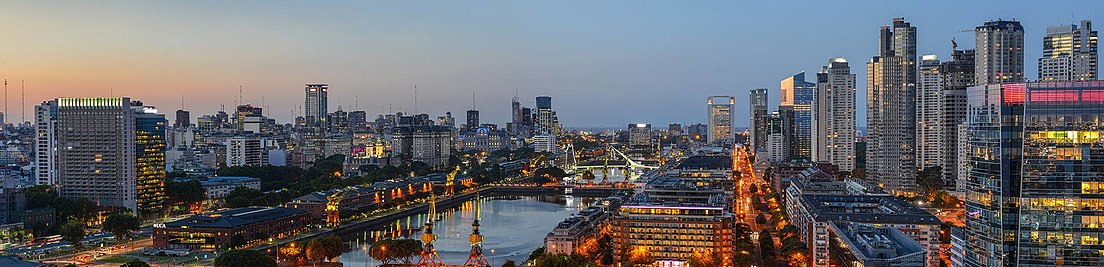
x: 512, y: 227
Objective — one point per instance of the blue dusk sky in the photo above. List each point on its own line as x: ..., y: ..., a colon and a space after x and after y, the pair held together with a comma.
x: 605, y: 63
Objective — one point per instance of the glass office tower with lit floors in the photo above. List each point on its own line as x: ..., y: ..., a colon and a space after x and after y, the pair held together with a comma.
x: 1035, y: 189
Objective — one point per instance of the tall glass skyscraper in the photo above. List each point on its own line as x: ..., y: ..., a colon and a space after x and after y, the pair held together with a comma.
x: 149, y: 140
x: 798, y: 94
x: 759, y: 116
x: 720, y: 118
x: 316, y: 105
x: 1035, y: 190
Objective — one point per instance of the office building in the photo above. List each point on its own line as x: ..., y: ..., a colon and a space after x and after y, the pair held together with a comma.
x: 834, y: 115
x: 891, y: 110
x: 219, y: 187
x: 999, y: 55
x: 816, y: 212
x: 183, y: 119
x: 1034, y: 187
x: 91, y: 149
x: 929, y: 113
x: 358, y: 121
x: 798, y: 94
x: 777, y: 147
x: 483, y: 139
x: 472, y: 120
x: 860, y: 245
x: 958, y: 74
x: 544, y: 143
x: 640, y: 136
x: 673, y: 232
x: 431, y: 144
x: 149, y: 136
x: 759, y: 117
x: 1069, y: 53
x: 545, y: 120
x: 720, y: 118
x: 338, y: 121
x: 245, y: 151
x: 316, y: 109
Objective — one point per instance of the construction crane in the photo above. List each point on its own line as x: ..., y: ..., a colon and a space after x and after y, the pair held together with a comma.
x: 532, y: 166
x: 450, y: 182
x: 333, y: 204
x: 429, y: 255
x: 475, y: 257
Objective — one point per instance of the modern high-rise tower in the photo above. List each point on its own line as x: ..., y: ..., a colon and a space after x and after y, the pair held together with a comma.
x: 472, y: 120
x: 798, y: 94
x: 316, y: 109
x: 834, y: 115
x: 958, y: 74
x: 1035, y: 186
x: 929, y: 114
x: 546, y: 121
x: 759, y: 117
x: 891, y: 110
x: 113, y: 155
x: 1069, y: 53
x: 720, y: 118
x: 999, y: 55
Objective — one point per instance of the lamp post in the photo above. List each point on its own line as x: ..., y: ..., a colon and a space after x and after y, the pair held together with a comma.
x: 277, y: 249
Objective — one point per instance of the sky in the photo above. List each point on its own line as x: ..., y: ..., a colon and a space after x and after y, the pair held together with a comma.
x: 605, y: 63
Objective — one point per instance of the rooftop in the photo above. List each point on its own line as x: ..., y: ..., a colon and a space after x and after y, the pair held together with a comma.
x: 876, y: 243
x: 236, y: 217
x: 706, y: 162
x: 866, y: 209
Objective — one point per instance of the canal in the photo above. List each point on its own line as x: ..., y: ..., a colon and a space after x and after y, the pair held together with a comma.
x: 512, y: 228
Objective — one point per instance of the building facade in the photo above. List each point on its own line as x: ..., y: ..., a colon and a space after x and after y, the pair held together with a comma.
x: 1034, y: 184
x: 834, y: 115
x: 999, y: 54
x: 672, y: 233
x: 798, y: 94
x: 891, y: 110
x: 958, y: 74
x: 149, y: 136
x: 759, y: 117
x: 720, y: 118
x: 929, y: 113
x: 316, y: 109
x: 1069, y: 53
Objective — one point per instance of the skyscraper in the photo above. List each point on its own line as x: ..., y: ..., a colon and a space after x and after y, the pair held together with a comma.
x: 149, y: 138
x: 1069, y: 53
x: 98, y: 161
x: 473, y: 120
x: 358, y: 121
x: 834, y: 115
x: 891, y: 110
x: 759, y: 117
x: 798, y: 94
x: 183, y: 119
x: 316, y: 109
x: 720, y: 118
x: 1034, y: 185
x: 958, y: 74
x: 999, y: 55
x: 546, y: 122
x: 929, y: 114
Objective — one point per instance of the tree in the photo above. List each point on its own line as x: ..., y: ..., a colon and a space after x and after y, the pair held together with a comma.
x: 702, y: 258
x: 641, y: 256
x: 392, y: 250
x: 561, y: 260
x: 930, y: 180
x: 753, y: 188
x: 120, y: 224
x: 761, y: 219
x: 184, y: 192
x: 246, y: 257
x: 72, y: 231
x: 548, y: 174
x: 509, y: 263
x: 243, y: 197
x: 237, y: 241
x: 325, y: 248
x: 135, y: 263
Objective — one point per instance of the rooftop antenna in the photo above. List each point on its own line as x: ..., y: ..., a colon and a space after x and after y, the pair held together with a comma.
x: 5, y: 100
x: 241, y: 96
x: 415, y: 98
x: 181, y: 101
x: 23, y: 99
x: 473, y: 100
x: 356, y: 101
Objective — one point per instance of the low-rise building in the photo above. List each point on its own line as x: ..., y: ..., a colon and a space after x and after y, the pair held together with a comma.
x: 213, y: 231
x: 859, y: 245
x: 219, y: 187
x: 814, y: 213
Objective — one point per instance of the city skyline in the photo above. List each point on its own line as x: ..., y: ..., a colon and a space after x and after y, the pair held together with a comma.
x: 161, y: 52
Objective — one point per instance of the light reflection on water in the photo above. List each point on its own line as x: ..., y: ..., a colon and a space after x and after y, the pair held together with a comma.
x: 512, y: 228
